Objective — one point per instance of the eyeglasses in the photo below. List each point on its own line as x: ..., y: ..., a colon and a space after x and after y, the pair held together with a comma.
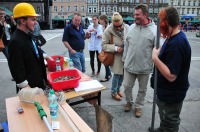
x: 118, y: 26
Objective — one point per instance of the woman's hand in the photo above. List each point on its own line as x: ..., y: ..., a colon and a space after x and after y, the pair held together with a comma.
x: 155, y: 53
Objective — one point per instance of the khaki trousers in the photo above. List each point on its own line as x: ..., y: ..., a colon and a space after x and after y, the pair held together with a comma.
x: 129, y: 82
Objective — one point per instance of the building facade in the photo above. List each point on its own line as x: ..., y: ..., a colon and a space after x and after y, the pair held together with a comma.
x: 188, y: 9
x: 66, y: 8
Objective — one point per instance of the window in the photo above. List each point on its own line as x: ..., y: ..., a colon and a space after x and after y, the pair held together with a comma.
x: 75, y: 8
x: 150, y: 10
x: 55, y: 8
x: 114, y: 9
x: 82, y: 8
x: 172, y: 3
x: 108, y: 1
x: 151, y: 1
x: 68, y: 8
x: 137, y: 1
x: 61, y: 8
x: 198, y: 11
x: 194, y: 3
x: 183, y: 10
x: 102, y: 1
x: 102, y: 9
x: 89, y: 10
x: 38, y: 9
x: 193, y: 10
x: 108, y: 9
x: 155, y: 10
x: 131, y: 1
x: 144, y: 1
x: 189, y: 3
x: 95, y: 1
x: 188, y: 10
x: 95, y: 10
x: 183, y: 3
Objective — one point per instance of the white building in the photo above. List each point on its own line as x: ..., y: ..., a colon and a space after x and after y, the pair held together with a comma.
x: 187, y: 8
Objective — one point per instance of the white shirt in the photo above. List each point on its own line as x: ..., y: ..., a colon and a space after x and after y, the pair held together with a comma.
x: 95, y: 42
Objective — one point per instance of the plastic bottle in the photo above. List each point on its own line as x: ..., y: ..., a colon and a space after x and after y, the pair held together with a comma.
x: 71, y: 64
x: 53, y: 104
x: 58, y: 66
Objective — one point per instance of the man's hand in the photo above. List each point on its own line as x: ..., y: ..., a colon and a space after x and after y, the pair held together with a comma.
x: 73, y: 51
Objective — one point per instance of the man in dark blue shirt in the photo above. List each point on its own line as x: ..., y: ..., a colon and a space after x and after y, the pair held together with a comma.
x: 73, y: 39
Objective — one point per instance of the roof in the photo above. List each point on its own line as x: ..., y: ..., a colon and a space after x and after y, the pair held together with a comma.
x: 8, y: 12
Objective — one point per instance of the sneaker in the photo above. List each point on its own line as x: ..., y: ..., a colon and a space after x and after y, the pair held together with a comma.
x: 128, y: 107
x: 116, y: 97
x: 120, y: 93
x: 138, y: 112
x: 93, y: 74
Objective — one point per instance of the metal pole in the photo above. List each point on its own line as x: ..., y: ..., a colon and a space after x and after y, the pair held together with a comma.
x: 155, y: 77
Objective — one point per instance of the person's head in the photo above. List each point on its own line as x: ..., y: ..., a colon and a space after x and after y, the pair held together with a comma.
x: 25, y: 16
x: 76, y: 20
x: 103, y: 20
x: 117, y: 21
x: 141, y: 14
x: 169, y: 20
x: 2, y: 13
x: 95, y: 19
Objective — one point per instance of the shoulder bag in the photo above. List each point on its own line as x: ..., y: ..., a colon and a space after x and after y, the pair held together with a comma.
x: 1, y: 43
x: 107, y: 58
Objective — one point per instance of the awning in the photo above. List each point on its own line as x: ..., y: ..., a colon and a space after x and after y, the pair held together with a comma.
x: 8, y: 12
x: 129, y: 19
x: 196, y: 21
x: 187, y: 17
x: 182, y: 21
x: 70, y: 17
x: 57, y: 18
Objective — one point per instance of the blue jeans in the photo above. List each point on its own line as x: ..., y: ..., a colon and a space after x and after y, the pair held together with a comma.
x: 108, y: 72
x: 116, y: 83
x: 79, y: 60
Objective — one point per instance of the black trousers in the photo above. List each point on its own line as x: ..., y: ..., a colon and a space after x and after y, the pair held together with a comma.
x: 92, y: 55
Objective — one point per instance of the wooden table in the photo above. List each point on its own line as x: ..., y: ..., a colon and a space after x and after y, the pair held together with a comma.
x: 30, y: 120
x: 90, y: 96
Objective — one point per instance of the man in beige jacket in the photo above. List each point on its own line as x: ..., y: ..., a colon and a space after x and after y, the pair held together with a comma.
x: 138, y: 64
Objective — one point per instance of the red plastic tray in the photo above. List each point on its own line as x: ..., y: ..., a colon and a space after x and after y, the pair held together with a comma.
x: 65, y: 84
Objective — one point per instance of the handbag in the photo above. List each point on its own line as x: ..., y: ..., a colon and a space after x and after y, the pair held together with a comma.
x: 41, y: 40
x: 107, y: 58
x: 1, y: 43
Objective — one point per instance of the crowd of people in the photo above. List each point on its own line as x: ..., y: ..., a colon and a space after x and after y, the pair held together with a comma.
x: 133, y: 47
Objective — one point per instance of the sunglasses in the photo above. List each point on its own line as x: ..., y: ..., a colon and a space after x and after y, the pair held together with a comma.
x: 118, y: 26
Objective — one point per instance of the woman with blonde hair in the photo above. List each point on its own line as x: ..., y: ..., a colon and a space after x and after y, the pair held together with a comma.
x: 116, y: 31
x: 103, y: 20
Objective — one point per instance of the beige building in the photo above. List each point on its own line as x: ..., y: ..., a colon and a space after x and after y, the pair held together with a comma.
x: 66, y: 8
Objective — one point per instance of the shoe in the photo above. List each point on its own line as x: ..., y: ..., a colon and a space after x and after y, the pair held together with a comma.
x: 128, y: 107
x: 116, y: 97
x: 106, y: 79
x: 155, y: 129
x: 138, y: 112
x: 93, y: 74
x: 120, y: 93
x: 98, y: 73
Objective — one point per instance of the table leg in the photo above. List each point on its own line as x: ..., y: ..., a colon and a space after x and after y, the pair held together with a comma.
x: 99, y: 98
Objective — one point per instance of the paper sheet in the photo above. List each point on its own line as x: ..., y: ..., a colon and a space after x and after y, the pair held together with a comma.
x: 88, y: 85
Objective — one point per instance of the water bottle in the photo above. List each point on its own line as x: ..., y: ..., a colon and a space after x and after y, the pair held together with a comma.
x: 58, y: 66
x: 71, y: 64
x: 53, y: 104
